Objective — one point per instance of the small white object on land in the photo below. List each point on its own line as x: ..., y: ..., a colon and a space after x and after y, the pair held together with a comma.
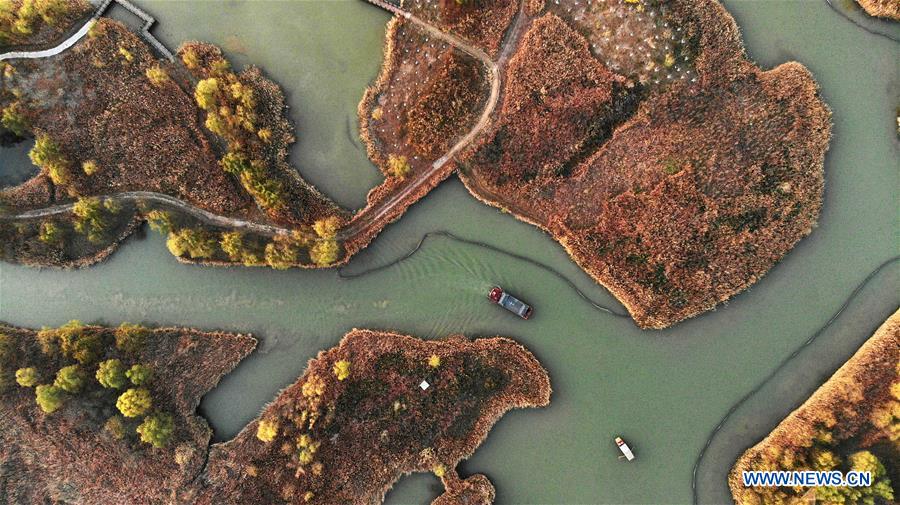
x: 424, y: 385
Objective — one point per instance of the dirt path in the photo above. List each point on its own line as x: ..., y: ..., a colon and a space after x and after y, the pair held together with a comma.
x: 367, y: 218
x: 372, y: 216
x: 149, y: 196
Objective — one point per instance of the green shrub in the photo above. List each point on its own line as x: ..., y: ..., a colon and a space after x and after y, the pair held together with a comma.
x: 220, y: 66
x: 282, y: 253
x: 72, y: 341
x: 160, y: 221
x: 134, y: 402
x: 157, y: 75
x: 87, y: 349
x: 823, y: 459
x: 190, y: 59
x: 341, y: 369
x: 49, y: 398
x: 126, y: 54
x: 131, y: 338
x: 50, y: 233
x: 51, y: 11
x: 139, y: 374
x: 16, y: 23
x: 90, y: 167
x: 398, y: 166
x: 111, y: 374
x: 205, y: 93
x: 47, y: 155
x: 194, y: 242
x: 234, y: 162
x: 48, y: 340
x: 14, y: 120
x: 328, y: 227
x: 324, y: 252
x: 265, y: 190
x: 115, y: 426
x: 232, y: 244
x: 27, y: 377
x: 112, y: 206
x: 267, y: 430
x: 157, y: 429
x: 70, y: 379
x: 78, y: 344
x: 90, y: 219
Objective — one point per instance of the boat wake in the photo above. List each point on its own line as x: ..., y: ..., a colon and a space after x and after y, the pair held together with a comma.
x: 344, y: 275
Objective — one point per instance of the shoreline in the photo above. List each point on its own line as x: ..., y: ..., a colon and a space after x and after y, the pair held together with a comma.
x: 866, y: 368
x: 722, y: 56
x: 361, y: 348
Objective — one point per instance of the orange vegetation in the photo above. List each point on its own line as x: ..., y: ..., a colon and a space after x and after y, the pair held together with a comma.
x: 118, y: 423
x: 882, y: 8
x: 481, y: 22
x: 358, y: 419
x: 672, y: 169
x: 674, y: 194
x: 851, y: 422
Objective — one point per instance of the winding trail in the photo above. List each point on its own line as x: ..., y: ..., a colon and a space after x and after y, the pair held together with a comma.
x: 53, y: 51
x: 783, y: 364
x: 368, y: 217
x: 365, y: 218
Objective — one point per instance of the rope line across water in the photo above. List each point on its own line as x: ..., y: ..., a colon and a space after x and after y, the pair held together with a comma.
x: 860, y: 25
x: 483, y: 245
x: 865, y: 282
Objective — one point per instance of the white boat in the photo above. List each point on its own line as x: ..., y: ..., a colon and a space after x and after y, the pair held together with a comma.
x: 626, y: 451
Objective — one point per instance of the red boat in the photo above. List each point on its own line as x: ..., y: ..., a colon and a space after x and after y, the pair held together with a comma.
x: 510, y: 303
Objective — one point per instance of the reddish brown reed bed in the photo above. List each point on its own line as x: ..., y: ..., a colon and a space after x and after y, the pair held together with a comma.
x: 358, y: 420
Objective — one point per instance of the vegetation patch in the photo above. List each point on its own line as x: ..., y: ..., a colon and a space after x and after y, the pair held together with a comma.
x: 375, y: 407
x: 852, y: 422
x: 676, y: 175
x: 247, y: 113
x: 106, y: 415
x: 881, y: 8
x: 482, y: 23
x: 446, y: 107
x: 29, y: 23
x: 103, y: 126
x: 109, y: 118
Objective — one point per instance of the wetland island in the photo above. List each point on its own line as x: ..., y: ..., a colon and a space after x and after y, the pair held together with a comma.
x: 538, y: 107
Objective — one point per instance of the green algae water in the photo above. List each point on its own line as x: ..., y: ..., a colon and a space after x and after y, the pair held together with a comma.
x: 663, y: 391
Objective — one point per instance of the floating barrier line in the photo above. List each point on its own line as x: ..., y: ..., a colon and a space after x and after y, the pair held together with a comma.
x: 483, y: 245
x: 865, y: 282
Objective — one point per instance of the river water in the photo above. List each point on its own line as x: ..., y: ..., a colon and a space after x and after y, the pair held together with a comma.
x: 663, y: 391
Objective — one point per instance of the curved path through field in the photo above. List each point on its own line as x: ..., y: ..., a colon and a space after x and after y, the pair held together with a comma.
x: 367, y: 217
x: 53, y: 51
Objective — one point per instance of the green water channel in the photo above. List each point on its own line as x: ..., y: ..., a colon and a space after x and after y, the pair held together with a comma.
x: 664, y: 391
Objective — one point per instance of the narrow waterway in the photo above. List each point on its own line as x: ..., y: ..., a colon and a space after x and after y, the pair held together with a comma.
x: 663, y: 391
